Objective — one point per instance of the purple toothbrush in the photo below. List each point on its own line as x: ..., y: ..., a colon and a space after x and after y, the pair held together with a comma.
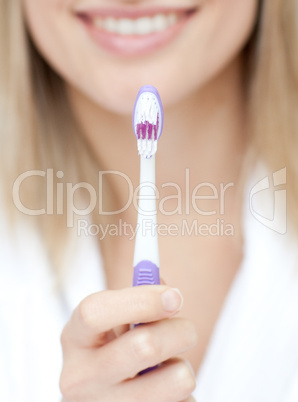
x: 147, y: 125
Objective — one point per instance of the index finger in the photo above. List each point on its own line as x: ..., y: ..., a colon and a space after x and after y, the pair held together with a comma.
x: 102, y: 311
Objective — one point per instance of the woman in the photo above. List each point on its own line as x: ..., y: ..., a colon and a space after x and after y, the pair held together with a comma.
x: 227, y: 75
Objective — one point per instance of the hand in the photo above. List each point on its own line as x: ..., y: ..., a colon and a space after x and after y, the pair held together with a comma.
x: 102, y: 357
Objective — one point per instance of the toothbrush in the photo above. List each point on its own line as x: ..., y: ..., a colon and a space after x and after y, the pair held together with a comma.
x: 147, y: 125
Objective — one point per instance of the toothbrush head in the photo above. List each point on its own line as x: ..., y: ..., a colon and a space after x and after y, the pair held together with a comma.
x: 148, y: 120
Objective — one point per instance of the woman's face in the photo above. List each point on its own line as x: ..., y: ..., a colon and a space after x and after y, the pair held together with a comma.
x: 108, y: 49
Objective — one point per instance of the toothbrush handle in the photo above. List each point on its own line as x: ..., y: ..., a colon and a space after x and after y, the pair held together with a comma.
x: 145, y: 273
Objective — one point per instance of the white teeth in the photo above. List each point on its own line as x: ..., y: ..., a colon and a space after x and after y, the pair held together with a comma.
x: 160, y: 22
x: 110, y: 24
x: 139, y: 26
x: 143, y: 26
x: 125, y: 27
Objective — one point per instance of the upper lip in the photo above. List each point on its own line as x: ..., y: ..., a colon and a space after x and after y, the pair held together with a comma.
x: 129, y: 12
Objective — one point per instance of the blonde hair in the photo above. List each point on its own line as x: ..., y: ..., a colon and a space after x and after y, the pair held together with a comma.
x: 38, y: 130
x: 273, y: 92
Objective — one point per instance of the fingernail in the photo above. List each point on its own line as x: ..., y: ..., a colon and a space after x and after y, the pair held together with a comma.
x: 172, y: 299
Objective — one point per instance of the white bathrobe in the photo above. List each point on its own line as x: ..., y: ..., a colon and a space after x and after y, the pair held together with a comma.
x: 253, y: 352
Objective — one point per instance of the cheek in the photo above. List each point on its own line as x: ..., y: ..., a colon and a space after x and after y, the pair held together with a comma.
x: 220, y: 35
x: 234, y: 22
x: 49, y: 22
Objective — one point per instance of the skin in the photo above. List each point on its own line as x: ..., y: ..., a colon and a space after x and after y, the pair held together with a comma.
x: 199, y: 77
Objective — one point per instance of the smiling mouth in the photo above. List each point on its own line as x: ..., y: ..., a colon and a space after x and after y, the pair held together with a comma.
x: 134, y: 31
x: 143, y: 25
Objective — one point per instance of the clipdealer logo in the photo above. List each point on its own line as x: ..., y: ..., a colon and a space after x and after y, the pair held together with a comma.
x: 192, y: 202
x: 269, y: 191
x: 262, y: 191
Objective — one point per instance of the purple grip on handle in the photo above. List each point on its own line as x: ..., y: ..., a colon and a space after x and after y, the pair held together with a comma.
x: 146, y: 273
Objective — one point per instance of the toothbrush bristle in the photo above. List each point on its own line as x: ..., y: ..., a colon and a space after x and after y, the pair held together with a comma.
x: 147, y: 130
x: 147, y: 124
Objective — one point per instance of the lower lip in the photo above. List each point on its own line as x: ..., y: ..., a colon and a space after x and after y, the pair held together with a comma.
x: 135, y: 45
